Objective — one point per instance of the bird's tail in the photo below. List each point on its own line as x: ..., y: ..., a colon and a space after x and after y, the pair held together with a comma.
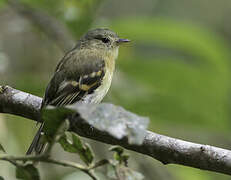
x: 37, y: 145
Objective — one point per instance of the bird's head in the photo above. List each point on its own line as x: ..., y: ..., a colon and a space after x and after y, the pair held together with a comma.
x: 102, y: 39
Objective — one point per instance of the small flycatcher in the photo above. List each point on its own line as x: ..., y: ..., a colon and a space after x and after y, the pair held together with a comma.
x: 83, y: 74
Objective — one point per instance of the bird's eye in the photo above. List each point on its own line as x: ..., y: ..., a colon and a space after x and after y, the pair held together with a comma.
x: 105, y: 40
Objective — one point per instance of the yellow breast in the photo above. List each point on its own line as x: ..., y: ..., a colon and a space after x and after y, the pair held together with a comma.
x: 102, y: 90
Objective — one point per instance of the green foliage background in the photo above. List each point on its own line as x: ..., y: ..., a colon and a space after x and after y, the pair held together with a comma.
x: 176, y: 70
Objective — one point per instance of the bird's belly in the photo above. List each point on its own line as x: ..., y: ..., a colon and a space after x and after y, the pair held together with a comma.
x: 98, y: 95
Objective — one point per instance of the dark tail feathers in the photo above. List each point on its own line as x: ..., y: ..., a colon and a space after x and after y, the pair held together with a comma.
x: 37, y: 146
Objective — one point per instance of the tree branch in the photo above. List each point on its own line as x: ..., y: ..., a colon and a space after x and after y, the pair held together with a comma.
x: 165, y: 149
x: 48, y: 24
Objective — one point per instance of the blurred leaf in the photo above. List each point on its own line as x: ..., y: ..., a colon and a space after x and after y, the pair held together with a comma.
x: 77, y: 146
x: 119, y: 155
x: 84, y: 14
x: 185, y: 67
x: 54, y: 119
x: 2, y: 149
x: 1, y: 178
x: 67, y: 145
x: 28, y: 172
x: 84, y: 149
x: 117, y: 149
x: 2, y: 3
x: 77, y: 15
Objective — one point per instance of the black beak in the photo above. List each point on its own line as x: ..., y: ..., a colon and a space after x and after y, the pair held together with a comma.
x: 120, y: 41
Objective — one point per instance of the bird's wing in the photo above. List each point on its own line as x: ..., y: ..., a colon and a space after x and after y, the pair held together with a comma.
x: 74, y: 78
x: 78, y: 82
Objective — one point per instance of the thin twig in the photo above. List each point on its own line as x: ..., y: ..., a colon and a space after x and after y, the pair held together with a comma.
x: 45, y: 158
x: 99, y: 163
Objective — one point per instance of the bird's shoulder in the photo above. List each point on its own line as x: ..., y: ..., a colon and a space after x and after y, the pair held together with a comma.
x: 82, y: 61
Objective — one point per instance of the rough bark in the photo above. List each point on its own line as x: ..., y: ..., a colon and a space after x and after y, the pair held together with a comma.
x: 165, y: 149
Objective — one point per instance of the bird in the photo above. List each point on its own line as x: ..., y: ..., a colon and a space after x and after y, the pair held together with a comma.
x: 84, y: 74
